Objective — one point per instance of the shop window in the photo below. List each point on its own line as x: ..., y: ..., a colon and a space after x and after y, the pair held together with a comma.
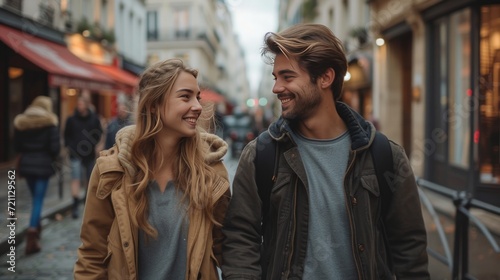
x: 181, y: 22
x: 489, y: 95
x: 459, y: 89
x: 452, y: 84
x: 104, y: 14
x: 15, y: 102
x: 441, y: 87
x: 16, y: 5
x: 152, y: 25
x: 46, y: 14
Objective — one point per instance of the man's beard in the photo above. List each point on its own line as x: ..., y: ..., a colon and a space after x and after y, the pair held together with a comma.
x: 304, y: 106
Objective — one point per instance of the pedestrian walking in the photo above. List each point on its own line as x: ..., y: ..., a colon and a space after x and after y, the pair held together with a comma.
x: 324, y: 217
x: 157, y: 198
x: 82, y: 133
x: 38, y: 143
x: 121, y: 120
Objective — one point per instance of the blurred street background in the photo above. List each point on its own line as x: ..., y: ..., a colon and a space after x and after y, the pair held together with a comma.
x: 425, y: 72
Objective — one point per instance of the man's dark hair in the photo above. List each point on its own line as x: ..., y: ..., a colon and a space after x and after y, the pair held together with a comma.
x: 314, y: 47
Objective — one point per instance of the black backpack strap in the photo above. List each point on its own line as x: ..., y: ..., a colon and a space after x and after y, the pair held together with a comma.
x: 382, y: 160
x: 264, y: 162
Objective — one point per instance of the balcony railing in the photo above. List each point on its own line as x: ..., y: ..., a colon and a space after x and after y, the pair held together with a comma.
x: 193, y: 34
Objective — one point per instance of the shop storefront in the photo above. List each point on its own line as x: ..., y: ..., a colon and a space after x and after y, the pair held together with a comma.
x: 33, y: 66
x: 463, y: 98
x: 125, y: 88
x: 105, y: 60
x: 358, y: 83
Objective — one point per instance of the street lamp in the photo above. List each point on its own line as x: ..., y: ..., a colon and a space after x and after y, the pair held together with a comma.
x: 347, y: 76
x: 380, y: 42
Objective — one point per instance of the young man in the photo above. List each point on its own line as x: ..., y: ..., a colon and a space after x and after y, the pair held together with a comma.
x: 82, y: 133
x: 324, y: 219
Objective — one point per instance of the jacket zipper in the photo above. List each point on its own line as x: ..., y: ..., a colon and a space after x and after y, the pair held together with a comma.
x: 357, y: 261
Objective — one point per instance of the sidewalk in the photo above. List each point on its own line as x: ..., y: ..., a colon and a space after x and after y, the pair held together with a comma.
x: 52, y: 206
x: 60, y: 241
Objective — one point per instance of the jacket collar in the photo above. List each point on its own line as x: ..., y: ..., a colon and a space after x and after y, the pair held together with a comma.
x: 361, y: 131
x: 215, y: 146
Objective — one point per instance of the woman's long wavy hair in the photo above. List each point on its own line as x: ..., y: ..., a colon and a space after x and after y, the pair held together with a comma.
x: 192, y: 174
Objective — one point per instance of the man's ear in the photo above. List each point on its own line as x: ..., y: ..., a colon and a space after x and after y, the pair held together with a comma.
x: 326, y: 80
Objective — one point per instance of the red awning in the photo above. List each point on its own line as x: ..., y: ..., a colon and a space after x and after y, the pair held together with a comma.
x: 211, y: 96
x: 123, y: 80
x: 64, y: 68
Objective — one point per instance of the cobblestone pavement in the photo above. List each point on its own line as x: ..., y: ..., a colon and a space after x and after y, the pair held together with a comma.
x: 60, y: 239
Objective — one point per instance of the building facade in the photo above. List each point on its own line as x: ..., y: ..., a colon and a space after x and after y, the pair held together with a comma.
x: 439, y: 75
x: 200, y: 33
x: 109, y: 35
x: 427, y: 72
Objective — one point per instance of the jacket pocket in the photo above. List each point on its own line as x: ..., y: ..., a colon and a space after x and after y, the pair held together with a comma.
x: 282, y: 180
x: 107, y: 182
x: 114, y: 236
x: 370, y: 183
x: 117, y: 266
x: 115, y: 260
x: 279, y: 197
x: 367, y: 199
x: 108, y: 257
x: 384, y: 261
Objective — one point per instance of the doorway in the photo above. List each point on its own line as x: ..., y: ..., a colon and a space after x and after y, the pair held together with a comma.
x: 403, y: 54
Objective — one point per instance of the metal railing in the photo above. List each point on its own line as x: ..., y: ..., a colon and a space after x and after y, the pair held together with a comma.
x: 458, y: 263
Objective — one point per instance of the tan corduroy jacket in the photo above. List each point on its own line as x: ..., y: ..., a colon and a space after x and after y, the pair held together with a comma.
x: 110, y: 240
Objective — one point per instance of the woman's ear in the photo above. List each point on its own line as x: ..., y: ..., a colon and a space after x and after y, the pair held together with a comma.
x: 326, y: 80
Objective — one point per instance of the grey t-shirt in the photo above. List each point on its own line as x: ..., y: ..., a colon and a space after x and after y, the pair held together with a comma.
x: 166, y: 256
x: 329, y: 253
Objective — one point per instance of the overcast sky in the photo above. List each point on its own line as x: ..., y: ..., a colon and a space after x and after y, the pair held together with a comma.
x: 252, y: 19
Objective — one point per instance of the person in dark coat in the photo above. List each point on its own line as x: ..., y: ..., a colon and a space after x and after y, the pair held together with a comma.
x: 82, y: 133
x: 37, y: 140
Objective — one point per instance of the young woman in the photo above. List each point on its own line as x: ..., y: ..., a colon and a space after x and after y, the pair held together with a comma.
x: 37, y: 141
x: 156, y: 200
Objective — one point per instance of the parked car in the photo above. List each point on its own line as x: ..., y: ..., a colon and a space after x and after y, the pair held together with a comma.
x: 240, y: 130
